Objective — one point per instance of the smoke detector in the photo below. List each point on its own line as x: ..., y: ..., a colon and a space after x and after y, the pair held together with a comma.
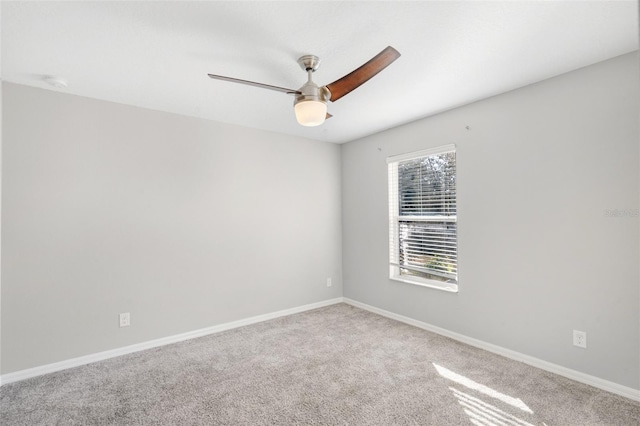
x: 57, y: 82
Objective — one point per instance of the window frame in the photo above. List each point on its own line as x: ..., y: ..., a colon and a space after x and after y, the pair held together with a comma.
x: 395, y: 219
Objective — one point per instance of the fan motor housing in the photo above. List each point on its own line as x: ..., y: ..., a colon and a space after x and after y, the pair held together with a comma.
x: 311, y: 92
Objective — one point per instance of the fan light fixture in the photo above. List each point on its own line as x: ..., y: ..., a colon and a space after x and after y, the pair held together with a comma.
x: 310, y: 104
x: 310, y: 113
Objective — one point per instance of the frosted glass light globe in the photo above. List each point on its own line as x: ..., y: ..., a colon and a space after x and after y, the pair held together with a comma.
x: 311, y: 113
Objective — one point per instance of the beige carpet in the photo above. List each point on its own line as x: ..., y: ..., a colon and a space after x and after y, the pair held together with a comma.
x: 337, y: 365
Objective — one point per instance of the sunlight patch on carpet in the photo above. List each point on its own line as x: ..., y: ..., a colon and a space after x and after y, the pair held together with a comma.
x: 464, y: 381
x: 482, y: 413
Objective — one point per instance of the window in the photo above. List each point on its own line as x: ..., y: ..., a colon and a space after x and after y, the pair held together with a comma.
x: 422, y: 218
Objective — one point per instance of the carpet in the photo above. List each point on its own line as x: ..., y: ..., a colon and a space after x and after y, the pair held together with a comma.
x: 337, y: 365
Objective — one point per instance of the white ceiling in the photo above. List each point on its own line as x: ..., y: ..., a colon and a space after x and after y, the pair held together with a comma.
x: 157, y: 54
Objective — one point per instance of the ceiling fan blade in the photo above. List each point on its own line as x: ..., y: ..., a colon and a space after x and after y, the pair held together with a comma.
x: 253, y: 83
x: 328, y: 116
x: 356, y: 78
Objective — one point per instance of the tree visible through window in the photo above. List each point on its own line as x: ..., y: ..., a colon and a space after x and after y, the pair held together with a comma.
x: 423, y: 218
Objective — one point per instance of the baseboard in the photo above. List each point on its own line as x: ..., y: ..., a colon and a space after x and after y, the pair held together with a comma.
x: 100, y: 356
x: 596, y: 382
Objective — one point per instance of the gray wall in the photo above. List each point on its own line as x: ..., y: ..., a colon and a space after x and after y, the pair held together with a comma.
x: 188, y: 223
x: 538, y: 257
x: 184, y: 223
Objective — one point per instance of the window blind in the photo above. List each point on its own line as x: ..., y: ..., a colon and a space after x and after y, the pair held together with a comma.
x: 423, y: 217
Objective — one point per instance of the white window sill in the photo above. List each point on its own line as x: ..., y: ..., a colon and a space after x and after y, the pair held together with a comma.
x: 437, y: 285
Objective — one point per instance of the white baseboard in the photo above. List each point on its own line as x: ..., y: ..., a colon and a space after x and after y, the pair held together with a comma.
x: 87, y: 359
x: 596, y: 382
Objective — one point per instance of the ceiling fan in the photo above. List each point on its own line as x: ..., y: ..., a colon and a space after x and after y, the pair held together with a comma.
x: 310, y: 102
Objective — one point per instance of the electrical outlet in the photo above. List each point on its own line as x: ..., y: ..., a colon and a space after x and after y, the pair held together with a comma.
x: 329, y: 283
x: 580, y: 339
x: 125, y: 320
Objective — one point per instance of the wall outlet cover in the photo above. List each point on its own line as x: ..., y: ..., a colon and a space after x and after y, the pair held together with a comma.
x: 125, y: 319
x: 580, y: 339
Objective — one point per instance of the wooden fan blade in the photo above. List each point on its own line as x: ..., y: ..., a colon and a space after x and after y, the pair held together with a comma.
x: 328, y: 116
x: 253, y: 83
x: 356, y: 78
